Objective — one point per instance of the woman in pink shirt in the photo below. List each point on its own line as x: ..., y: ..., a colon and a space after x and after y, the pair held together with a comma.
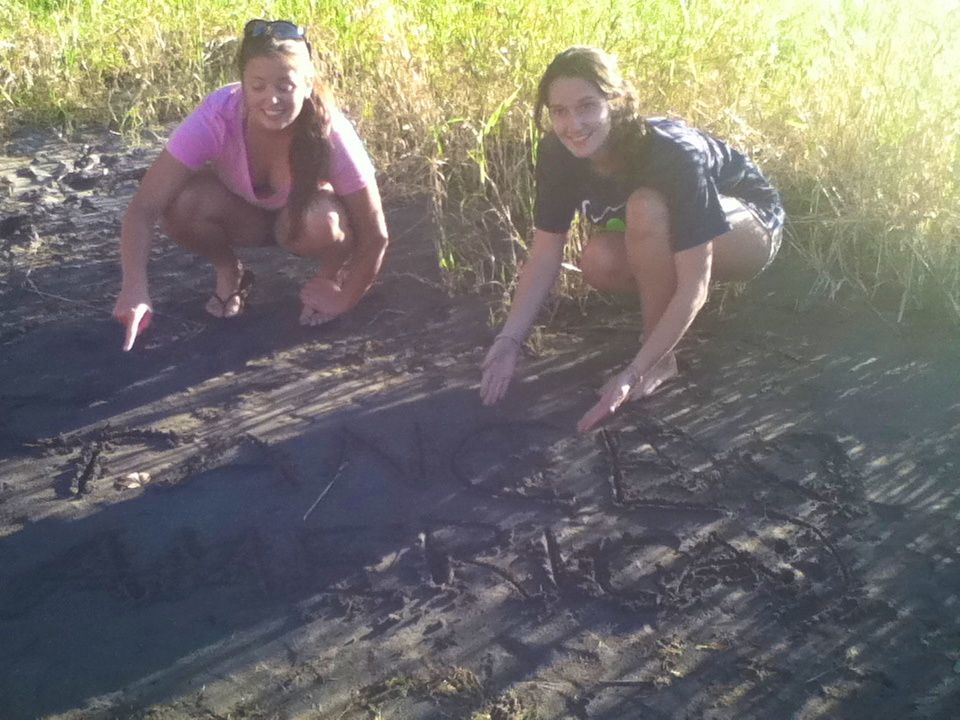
x: 269, y: 159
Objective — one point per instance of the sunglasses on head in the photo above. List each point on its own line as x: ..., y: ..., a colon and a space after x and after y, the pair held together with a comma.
x: 277, y: 29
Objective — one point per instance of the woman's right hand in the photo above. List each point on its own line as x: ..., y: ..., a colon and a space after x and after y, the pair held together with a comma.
x: 536, y: 278
x: 166, y: 177
x: 498, y: 368
x: 134, y: 311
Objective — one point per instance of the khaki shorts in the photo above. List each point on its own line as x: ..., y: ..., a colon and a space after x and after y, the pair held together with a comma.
x: 743, y: 217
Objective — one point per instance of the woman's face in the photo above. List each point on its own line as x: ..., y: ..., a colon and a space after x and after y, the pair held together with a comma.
x: 579, y: 115
x: 274, y: 88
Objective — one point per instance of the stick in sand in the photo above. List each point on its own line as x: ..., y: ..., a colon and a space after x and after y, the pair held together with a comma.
x: 336, y: 476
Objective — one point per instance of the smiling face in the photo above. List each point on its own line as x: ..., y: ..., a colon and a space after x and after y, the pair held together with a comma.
x: 275, y: 86
x: 579, y: 115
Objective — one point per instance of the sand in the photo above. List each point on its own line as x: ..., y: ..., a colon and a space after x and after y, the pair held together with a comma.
x: 326, y: 523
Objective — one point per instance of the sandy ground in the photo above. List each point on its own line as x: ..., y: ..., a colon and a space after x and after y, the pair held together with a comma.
x: 334, y: 527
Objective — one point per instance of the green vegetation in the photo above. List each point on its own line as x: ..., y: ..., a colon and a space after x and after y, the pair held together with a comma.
x: 853, y: 107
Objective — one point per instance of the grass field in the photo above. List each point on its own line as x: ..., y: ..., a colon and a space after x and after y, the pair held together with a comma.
x: 853, y: 108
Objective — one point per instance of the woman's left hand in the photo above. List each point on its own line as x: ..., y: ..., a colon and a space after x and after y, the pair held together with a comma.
x: 323, y: 300
x: 614, y: 393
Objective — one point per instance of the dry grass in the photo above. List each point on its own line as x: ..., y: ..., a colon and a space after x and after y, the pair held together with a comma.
x: 851, y: 106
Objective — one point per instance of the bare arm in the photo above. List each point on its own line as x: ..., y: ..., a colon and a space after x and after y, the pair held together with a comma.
x: 693, y: 268
x: 323, y: 298
x: 537, y: 276
x: 365, y: 211
x: 165, y: 178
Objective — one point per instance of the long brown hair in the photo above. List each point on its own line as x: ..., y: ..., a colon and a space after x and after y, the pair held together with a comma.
x: 310, y: 147
x: 628, y: 129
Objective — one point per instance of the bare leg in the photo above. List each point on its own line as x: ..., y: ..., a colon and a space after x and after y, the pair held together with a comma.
x: 640, y: 261
x: 324, y: 233
x: 604, y: 264
x: 650, y: 259
x: 209, y: 220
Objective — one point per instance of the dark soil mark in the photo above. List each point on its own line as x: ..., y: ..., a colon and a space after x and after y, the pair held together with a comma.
x: 438, y: 561
x: 714, y: 565
x: 826, y: 544
x: 212, y: 454
x: 285, y: 466
x: 89, y: 467
x: 447, y: 545
x: 100, y: 564
x: 418, y: 464
x: 631, y: 567
x: 510, y: 460
x: 111, y: 435
x: 612, y: 448
x: 553, y: 565
x: 124, y: 577
x: 351, y: 548
x: 813, y: 465
x: 500, y: 572
x: 247, y: 560
x: 631, y: 479
x: 396, y: 466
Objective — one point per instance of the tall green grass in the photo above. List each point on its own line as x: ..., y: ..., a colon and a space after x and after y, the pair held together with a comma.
x: 853, y: 108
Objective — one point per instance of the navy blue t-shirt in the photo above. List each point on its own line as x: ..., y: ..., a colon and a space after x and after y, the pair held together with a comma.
x: 689, y: 167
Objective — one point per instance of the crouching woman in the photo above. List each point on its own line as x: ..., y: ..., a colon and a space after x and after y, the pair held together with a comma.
x: 267, y: 160
x: 669, y: 209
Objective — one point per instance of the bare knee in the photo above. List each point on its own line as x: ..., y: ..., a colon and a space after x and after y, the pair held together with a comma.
x: 322, y: 230
x: 647, y: 215
x: 178, y: 212
x: 196, y: 203
x: 604, y: 264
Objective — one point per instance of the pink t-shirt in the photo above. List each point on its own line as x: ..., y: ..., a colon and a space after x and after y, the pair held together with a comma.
x: 213, y: 133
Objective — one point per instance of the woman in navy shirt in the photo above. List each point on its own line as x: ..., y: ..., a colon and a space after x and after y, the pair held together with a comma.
x: 668, y: 208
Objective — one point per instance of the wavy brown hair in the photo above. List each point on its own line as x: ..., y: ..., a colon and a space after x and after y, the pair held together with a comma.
x: 628, y: 129
x: 310, y: 148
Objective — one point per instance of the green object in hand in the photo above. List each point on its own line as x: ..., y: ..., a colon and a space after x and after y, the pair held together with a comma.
x: 616, y: 225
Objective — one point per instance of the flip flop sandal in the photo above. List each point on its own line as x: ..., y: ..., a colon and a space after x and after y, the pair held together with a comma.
x: 241, y: 294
